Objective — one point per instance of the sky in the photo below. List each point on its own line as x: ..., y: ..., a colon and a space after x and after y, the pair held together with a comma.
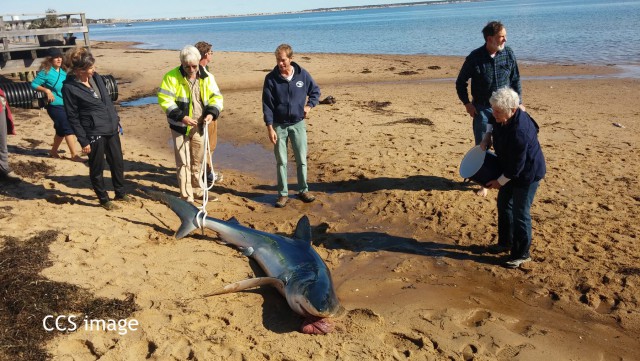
x: 146, y: 9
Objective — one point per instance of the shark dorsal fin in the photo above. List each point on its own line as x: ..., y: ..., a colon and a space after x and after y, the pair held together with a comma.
x: 303, y: 230
x: 233, y: 220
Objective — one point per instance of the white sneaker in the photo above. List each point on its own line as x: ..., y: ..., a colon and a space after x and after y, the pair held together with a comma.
x: 515, y: 263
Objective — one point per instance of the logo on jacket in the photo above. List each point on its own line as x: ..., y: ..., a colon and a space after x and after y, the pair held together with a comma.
x: 299, y: 84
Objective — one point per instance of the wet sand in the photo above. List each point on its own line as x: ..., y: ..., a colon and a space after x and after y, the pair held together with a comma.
x: 403, y: 236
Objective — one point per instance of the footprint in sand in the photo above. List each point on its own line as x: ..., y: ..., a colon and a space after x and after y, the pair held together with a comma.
x: 405, y: 344
x: 469, y: 352
x: 362, y: 319
x: 478, y: 318
x: 511, y: 351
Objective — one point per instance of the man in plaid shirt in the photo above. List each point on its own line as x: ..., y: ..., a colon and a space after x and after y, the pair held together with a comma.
x: 490, y: 67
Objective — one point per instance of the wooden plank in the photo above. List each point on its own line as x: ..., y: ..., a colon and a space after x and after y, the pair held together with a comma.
x: 35, y: 47
x: 49, y: 31
x: 20, y: 65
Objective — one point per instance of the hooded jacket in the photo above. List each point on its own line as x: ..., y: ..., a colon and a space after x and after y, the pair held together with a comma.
x: 174, y: 97
x: 283, y: 101
x: 88, y: 113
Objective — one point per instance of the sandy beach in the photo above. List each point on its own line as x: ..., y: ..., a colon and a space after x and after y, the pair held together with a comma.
x: 403, y: 236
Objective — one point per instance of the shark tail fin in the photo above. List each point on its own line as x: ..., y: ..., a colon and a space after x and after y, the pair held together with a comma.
x: 185, y: 210
x: 303, y: 230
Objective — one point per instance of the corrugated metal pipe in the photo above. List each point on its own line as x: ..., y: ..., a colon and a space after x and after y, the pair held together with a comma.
x: 21, y: 95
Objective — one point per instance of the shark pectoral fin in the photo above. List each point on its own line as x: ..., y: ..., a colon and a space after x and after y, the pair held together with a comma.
x: 246, y: 284
x: 303, y: 230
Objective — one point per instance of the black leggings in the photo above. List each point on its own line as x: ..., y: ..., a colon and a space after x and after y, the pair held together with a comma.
x: 109, y: 146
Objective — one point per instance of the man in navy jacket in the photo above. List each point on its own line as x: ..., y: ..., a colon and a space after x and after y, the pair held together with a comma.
x: 489, y: 67
x: 288, y: 94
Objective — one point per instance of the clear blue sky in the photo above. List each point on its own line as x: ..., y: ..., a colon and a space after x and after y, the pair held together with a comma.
x: 143, y: 9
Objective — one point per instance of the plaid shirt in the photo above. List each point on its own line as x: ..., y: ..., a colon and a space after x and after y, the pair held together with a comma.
x: 487, y: 75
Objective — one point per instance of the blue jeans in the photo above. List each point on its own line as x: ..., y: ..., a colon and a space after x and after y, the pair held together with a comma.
x: 298, y: 134
x: 514, y: 217
x: 480, y: 121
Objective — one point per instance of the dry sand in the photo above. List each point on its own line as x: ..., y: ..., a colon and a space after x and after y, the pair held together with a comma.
x: 400, y: 232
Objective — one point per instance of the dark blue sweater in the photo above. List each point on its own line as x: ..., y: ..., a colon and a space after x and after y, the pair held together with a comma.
x: 283, y: 101
x: 518, y: 150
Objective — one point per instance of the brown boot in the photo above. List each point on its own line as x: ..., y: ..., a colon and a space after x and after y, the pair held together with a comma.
x: 306, y: 197
x: 282, y: 201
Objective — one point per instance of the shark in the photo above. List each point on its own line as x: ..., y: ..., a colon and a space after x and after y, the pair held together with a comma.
x: 291, y: 264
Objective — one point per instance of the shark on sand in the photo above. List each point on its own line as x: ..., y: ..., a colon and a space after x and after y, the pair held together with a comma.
x: 291, y: 264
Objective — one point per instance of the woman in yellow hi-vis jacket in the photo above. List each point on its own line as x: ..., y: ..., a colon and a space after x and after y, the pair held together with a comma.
x: 190, y: 98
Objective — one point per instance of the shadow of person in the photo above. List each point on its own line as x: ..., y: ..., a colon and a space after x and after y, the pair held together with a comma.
x: 378, y: 241
x: 260, y: 197
x: 409, y: 183
x: 28, y: 191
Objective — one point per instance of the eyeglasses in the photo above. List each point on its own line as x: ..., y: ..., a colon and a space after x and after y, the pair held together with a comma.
x: 190, y: 66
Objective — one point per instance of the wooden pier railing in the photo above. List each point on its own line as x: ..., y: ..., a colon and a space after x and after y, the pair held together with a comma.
x: 26, y: 38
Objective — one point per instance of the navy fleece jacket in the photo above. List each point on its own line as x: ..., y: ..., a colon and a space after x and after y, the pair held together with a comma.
x: 518, y: 150
x: 283, y: 101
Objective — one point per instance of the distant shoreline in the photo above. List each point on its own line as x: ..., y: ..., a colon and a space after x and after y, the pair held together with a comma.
x: 318, y: 10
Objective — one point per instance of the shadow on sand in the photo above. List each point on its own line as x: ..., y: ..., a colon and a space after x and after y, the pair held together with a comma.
x: 378, y: 241
x: 409, y: 183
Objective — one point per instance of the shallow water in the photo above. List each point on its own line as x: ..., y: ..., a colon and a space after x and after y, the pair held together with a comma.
x: 140, y: 102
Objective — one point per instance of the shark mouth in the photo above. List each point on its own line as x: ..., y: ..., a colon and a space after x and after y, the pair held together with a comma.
x: 313, y: 325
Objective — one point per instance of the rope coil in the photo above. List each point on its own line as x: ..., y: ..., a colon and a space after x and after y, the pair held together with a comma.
x: 202, y: 178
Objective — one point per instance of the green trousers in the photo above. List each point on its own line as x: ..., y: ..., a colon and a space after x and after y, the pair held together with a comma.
x: 297, y: 133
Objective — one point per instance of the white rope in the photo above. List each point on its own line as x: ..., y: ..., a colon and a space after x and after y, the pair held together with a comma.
x: 202, y: 178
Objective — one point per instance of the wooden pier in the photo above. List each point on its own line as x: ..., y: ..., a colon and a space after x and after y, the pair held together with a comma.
x: 25, y: 38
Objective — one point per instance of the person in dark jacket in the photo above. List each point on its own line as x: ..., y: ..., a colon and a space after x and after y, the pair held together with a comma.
x: 514, y: 135
x: 96, y: 124
x: 288, y: 94
x: 489, y: 67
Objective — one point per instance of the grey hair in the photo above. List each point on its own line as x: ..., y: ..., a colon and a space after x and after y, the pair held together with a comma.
x: 189, y: 54
x: 505, y: 99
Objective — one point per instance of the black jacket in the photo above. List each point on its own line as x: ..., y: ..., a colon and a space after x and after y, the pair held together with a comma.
x: 88, y: 114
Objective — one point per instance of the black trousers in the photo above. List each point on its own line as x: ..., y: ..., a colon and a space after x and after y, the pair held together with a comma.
x: 109, y: 147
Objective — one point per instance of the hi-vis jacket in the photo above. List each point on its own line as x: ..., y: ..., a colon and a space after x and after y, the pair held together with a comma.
x: 174, y: 97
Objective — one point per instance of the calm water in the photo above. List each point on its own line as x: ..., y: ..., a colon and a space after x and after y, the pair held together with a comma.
x: 565, y: 31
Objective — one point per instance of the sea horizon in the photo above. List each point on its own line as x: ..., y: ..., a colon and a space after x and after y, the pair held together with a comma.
x: 596, y: 32
x: 317, y: 10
